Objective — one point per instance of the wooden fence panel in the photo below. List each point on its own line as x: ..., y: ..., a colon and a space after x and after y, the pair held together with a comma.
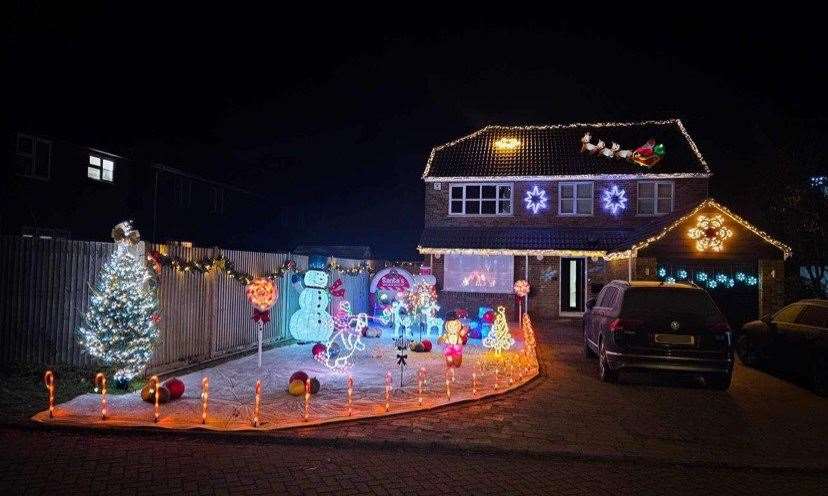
x: 45, y: 289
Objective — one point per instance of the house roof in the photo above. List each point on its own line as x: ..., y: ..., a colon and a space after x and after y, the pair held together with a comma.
x: 552, y: 151
x: 569, y: 241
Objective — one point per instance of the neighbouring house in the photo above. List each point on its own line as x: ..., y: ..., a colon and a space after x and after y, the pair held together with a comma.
x: 571, y: 207
x: 57, y: 189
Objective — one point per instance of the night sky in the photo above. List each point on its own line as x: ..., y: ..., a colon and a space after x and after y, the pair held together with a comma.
x: 333, y: 113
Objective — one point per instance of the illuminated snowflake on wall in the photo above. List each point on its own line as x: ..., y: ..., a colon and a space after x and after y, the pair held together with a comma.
x: 710, y: 233
x: 614, y: 199
x: 536, y: 199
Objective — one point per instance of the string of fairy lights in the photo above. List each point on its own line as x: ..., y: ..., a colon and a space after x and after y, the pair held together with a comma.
x: 222, y: 264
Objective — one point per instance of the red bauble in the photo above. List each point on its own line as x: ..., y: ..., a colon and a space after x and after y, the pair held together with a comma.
x: 489, y: 317
x: 318, y: 349
x: 176, y: 387
x: 314, y: 384
x: 426, y: 345
x: 298, y: 376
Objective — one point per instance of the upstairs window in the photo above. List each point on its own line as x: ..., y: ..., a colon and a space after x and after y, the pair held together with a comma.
x: 33, y: 157
x: 655, y: 197
x: 575, y: 198
x: 480, y: 199
x: 100, y: 169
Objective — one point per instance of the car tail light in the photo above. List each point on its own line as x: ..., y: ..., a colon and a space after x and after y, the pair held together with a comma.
x: 618, y: 325
x: 719, y: 327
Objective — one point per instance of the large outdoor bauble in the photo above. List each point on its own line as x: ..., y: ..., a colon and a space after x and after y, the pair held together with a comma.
x: 176, y: 387
x: 148, y: 394
x: 296, y: 388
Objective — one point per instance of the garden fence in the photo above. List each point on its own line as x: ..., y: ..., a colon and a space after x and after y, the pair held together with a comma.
x: 45, y: 286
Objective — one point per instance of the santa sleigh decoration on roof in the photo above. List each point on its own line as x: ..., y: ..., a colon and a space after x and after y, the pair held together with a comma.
x: 647, y: 155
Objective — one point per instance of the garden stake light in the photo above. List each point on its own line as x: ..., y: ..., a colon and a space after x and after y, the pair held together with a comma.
x: 448, y: 386
x: 307, y: 397
x: 205, y: 388
x: 100, y: 381
x: 155, y: 390
x: 420, y: 378
x: 388, y: 390
x: 49, y: 379
x: 350, y: 393
x: 257, y: 402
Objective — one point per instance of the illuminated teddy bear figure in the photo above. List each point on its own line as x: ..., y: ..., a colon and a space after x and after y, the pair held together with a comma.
x: 312, y: 322
x: 453, y: 341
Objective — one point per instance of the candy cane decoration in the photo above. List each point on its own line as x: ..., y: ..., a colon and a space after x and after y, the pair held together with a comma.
x: 350, y: 393
x: 474, y: 383
x: 387, y: 390
x: 420, y: 377
x: 448, y: 386
x: 49, y: 379
x: 205, y: 389
x: 307, y: 397
x: 257, y: 403
x: 155, y: 389
x: 100, y: 379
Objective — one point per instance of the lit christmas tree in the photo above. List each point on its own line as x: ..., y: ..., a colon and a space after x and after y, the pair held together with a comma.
x: 499, y: 337
x: 119, y: 327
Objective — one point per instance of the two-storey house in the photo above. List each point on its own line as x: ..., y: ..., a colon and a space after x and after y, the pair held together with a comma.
x: 570, y: 207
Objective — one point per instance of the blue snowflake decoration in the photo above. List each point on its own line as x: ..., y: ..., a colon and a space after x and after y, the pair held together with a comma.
x: 682, y: 274
x: 536, y: 200
x: 614, y: 199
x: 670, y: 280
x: 661, y: 272
x: 752, y: 281
x: 730, y: 283
x: 721, y: 278
x: 740, y: 276
x: 701, y: 276
x: 712, y: 284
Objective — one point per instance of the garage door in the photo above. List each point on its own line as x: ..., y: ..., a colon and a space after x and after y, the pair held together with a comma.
x: 733, y: 286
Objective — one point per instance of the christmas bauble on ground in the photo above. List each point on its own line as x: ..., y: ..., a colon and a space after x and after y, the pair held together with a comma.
x: 426, y: 345
x: 148, y: 394
x: 314, y: 385
x: 296, y: 388
x: 175, y: 387
x: 298, y: 376
x: 318, y: 349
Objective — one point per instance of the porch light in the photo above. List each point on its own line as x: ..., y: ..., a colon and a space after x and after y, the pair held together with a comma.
x: 507, y: 144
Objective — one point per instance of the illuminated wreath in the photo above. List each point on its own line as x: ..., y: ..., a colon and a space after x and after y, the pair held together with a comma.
x: 710, y: 233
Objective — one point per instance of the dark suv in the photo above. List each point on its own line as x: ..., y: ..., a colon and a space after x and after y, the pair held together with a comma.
x: 658, y: 326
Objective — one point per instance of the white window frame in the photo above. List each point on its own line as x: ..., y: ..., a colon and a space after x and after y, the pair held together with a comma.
x: 497, y: 199
x: 574, y: 198
x: 33, y: 156
x: 654, y: 199
x: 99, y: 167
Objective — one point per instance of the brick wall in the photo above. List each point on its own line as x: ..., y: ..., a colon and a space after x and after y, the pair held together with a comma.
x: 688, y: 192
x: 645, y: 269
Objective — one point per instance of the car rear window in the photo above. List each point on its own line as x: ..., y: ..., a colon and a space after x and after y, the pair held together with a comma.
x: 673, y: 300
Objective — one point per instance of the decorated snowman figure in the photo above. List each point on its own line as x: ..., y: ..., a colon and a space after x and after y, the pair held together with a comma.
x: 312, y: 322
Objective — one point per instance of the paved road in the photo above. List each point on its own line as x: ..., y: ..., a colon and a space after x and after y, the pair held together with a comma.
x: 566, y: 433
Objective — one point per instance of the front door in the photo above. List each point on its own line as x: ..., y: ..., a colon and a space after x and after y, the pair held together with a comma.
x: 572, y: 286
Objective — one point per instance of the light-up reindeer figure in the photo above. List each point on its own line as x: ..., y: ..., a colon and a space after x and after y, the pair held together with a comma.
x: 347, y: 336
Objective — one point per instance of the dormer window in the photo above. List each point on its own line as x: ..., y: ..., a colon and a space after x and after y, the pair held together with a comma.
x: 100, y: 169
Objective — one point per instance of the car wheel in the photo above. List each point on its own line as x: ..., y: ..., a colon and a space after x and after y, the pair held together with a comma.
x: 819, y: 376
x: 720, y: 382
x: 746, y: 352
x: 605, y: 372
